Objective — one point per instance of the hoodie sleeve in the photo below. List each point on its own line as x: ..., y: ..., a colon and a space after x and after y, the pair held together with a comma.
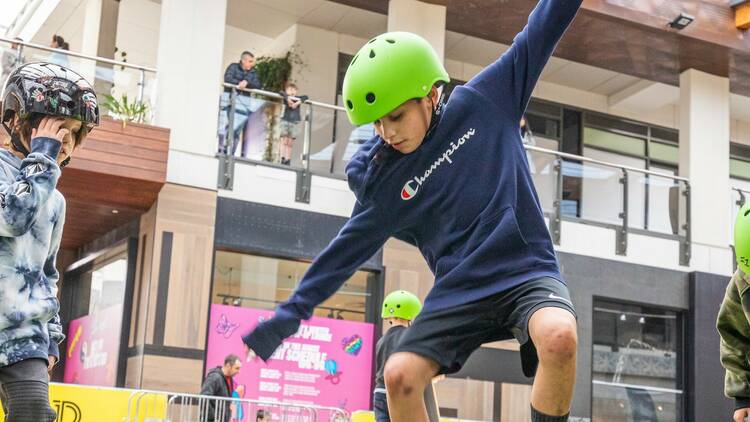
x: 54, y: 326
x: 509, y: 81
x: 357, y: 241
x: 22, y: 198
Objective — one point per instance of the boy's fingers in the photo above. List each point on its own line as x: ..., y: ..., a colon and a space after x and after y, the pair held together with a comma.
x: 55, y: 126
x: 33, y: 133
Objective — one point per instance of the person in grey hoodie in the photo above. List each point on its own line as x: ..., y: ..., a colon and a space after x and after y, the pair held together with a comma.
x: 219, y: 382
x: 48, y: 111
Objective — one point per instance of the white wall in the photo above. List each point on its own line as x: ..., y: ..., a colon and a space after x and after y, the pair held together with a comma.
x: 138, y: 31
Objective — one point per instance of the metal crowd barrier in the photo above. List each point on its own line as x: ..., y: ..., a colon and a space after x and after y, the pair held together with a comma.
x: 161, y: 406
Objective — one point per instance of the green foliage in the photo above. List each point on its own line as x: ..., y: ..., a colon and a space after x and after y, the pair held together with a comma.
x: 273, y: 72
x: 124, y: 110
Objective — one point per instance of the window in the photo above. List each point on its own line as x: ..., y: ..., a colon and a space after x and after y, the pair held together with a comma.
x: 259, y: 282
x: 92, y: 311
x: 637, y: 363
x: 739, y: 161
x: 544, y: 119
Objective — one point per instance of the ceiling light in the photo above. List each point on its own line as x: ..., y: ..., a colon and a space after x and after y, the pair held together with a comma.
x: 681, y: 22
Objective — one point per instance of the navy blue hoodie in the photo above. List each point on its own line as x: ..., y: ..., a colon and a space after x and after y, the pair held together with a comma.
x: 465, y: 197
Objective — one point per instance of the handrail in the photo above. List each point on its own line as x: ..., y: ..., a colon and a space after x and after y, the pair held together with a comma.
x: 79, y: 55
x: 278, y: 96
x: 604, y: 163
x: 528, y: 147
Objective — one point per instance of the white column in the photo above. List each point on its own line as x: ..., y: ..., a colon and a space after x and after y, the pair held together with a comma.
x: 92, y: 13
x: 704, y: 155
x: 424, y: 19
x: 189, y: 74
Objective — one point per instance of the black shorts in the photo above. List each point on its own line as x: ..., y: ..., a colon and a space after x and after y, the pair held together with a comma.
x: 450, y: 336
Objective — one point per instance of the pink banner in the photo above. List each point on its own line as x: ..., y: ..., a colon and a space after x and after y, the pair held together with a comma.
x: 328, y: 362
x: 93, y: 346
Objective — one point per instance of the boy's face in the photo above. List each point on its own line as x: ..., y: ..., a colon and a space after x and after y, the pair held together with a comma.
x: 290, y: 90
x: 405, y: 127
x: 68, y: 141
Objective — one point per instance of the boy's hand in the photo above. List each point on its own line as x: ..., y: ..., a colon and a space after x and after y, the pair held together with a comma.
x: 52, y: 363
x: 740, y: 415
x: 293, y: 102
x: 50, y: 127
x: 242, y: 84
x: 249, y: 354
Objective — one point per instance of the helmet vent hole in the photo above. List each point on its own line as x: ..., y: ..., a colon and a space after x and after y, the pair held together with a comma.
x: 747, y: 212
x: 372, y: 40
x: 372, y: 54
x: 398, y: 306
x: 349, y: 104
x: 370, y: 97
x: 390, y: 41
x: 354, y: 59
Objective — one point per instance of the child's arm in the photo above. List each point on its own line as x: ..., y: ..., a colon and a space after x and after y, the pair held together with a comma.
x: 735, y: 346
x: 21, y: 199
x: 357, y: 241
x: 509, y: 81
x: 54, y: 326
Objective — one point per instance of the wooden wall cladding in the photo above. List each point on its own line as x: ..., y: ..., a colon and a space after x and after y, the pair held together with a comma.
x: 113, y: 178
x: 136, y: 151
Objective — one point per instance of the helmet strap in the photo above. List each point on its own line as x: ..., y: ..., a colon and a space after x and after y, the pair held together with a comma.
x: 437, y: 110
x: 15, y: 140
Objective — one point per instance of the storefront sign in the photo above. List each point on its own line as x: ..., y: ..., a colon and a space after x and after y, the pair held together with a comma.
x: 328, y: 362
x: 92, y: 348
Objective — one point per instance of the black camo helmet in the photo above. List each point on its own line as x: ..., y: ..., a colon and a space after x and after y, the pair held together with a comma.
x: 40, y: 88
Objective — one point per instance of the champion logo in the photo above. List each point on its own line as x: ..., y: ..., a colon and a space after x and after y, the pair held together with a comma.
x: 412, y: 186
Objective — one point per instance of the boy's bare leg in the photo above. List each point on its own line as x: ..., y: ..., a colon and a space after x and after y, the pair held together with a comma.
x: 406, y: 377
x: 553, y: 331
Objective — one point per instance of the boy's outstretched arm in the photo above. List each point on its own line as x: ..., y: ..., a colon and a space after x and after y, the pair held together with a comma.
x: 357, y: 241
x: 509, y: 81
x: 735, y: 346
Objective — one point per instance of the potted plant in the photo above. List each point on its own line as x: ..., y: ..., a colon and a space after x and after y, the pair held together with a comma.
x: 124, y: 110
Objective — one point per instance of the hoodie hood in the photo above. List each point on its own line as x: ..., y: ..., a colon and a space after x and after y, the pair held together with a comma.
x: 216, y: 370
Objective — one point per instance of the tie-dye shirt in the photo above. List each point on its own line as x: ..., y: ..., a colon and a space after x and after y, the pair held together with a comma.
x: 31, y: 223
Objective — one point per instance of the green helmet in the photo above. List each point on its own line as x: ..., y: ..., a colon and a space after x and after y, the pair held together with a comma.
x: 742, y: 238
x: 401, y: 304
x: 389, y: 70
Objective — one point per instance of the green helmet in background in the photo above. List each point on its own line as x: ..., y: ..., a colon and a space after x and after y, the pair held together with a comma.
x: 401, y: 304
x: 742, y: 238
x: 389, y: 70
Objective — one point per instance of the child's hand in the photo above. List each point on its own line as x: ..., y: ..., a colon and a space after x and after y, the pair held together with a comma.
x: 249, y: 354
x: 740, y: 415
x: 49, y: 127
x: 52, y: 363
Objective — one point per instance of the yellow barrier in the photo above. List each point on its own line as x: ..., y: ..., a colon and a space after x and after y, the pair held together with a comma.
x: 367, y: 416
x: 77, y: 403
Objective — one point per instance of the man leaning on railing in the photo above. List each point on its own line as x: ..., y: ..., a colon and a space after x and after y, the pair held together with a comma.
x: 244, y: 76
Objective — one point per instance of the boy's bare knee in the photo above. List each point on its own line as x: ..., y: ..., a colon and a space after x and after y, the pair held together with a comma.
x: 558, y: 345
x: 404, y: 377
